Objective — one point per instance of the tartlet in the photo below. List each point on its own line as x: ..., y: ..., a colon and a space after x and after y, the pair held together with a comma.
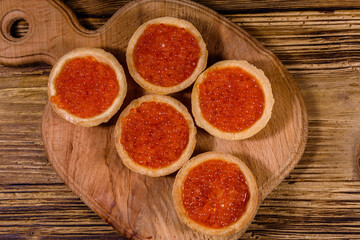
x: 87, y: 86
x: 155, y: 135
x: 232, y: 100
x: 165, y: 55
x: 216, y: 194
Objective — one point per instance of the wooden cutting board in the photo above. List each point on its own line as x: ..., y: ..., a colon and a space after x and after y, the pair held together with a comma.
x: 86, y: 159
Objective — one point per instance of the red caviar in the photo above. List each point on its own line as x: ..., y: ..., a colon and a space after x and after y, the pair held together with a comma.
x: 231, y: 99
x: 154, y: 134
x: 85, y: 87
x: 215, y: 193
x: 166, y: 55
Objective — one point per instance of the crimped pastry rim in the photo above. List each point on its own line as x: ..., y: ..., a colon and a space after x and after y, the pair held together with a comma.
x: 152, y: 88
x: 264, y: 83
x: 185, y: 156
x: 101, y: 56
x: 243, y: 222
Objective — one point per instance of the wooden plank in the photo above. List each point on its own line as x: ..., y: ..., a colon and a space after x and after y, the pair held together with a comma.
x: 108, y: 8
x: 42, y: 210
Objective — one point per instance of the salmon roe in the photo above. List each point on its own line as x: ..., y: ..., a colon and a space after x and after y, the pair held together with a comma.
x: 231, y: 99
x: 154, y: 134
x: 85, y: 87
x: 166, y: 55
x: 215, y: 193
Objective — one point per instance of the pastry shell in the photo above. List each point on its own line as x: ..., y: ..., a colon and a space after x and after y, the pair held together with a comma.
x: 101, y: 56
x: 262, y: 80
x: 184, y: 84
x: 237, y: 228
x: 185, y: 156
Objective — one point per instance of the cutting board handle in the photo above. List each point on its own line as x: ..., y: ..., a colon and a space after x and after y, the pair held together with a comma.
x: 53, y: 31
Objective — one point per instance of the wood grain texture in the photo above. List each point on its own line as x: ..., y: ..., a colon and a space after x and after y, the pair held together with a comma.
x: 319, y: 200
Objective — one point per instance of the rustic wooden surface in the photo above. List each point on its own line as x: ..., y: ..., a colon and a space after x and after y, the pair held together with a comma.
x: 318, y: 44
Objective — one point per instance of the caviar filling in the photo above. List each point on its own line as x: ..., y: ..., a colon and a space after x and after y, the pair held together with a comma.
x: 215, y: 193
x: 85, y: 87
x: 166, y: 55
x: 231, y: 99
x: 154, y: 134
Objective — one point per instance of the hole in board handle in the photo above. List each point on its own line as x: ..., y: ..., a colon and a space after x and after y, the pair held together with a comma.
x: 15, y: 26
x: 19, y: 28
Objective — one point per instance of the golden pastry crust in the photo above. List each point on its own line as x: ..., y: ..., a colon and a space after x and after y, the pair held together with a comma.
x: 184, y: 84
x: 243, y: 222
x: 101, y: 56
x: 262, y: 80
x: 127, y: 160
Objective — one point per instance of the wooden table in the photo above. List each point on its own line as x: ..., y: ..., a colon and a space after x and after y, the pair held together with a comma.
x: 318, y: 42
